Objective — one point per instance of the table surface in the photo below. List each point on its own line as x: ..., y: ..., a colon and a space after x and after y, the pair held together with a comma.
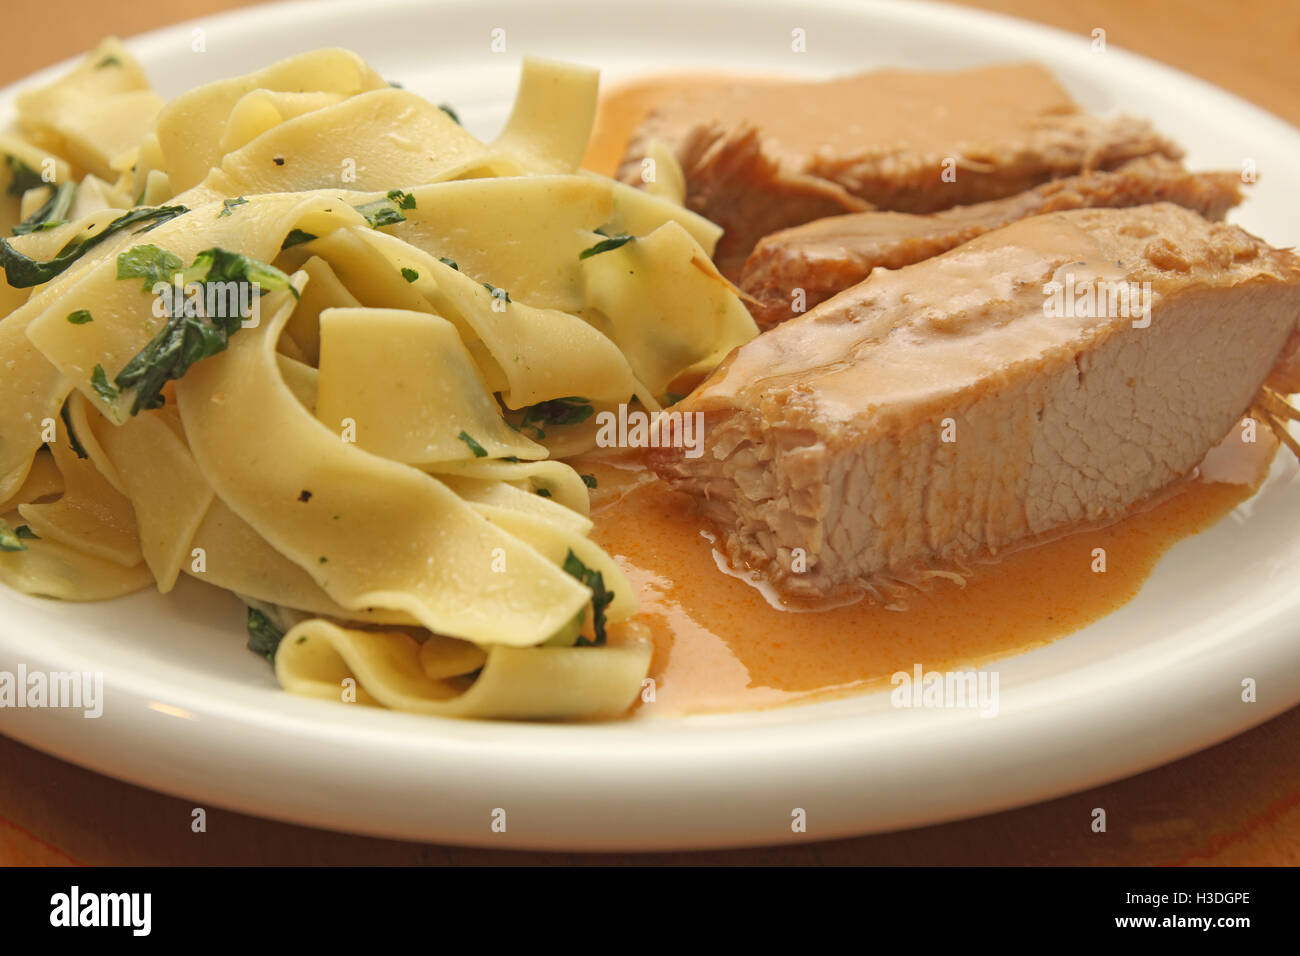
x: 1236, y: 803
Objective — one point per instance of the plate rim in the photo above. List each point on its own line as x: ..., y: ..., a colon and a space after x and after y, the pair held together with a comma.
x: 706, y: 747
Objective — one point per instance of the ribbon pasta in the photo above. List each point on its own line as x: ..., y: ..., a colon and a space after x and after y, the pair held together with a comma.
x: 349, y: 451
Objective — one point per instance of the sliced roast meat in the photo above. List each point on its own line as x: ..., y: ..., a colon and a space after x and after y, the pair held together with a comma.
x: 953, y: 408
x: 805, y: 265
x: 760, y: 156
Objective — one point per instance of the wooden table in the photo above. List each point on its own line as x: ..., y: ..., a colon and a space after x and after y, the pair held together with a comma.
x: 1237, y: 803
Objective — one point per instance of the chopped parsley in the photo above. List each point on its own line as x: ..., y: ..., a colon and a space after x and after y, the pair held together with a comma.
x: 109, y: 60
x: 478, y: 450
x: 99, y: 382
x: 589, y: 480
x: 76, y: 446
x: 404, y: 200
x: 186, y: 339
x: 8, y: 539
x: 381, y: 212
x: 410, y: 275
x: 600, y: 598
x: 544, y: 492
x: 24, y: 177
x: 263, y: 636
x: 26, y: 533
x: 54, y: 212
x: 150, y: 263
x: 228, y: 206
x: 296, y: 237
x: 501, y: 294
x: 450, y: 112
x: 219, y: 265
x: 80, y: 317
x: 557, y: 411
x: 449, y: 262
x: 605, y: 245
x: 24, y: 272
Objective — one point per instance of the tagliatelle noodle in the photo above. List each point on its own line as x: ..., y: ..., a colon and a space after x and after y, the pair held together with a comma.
x: 349, y: 454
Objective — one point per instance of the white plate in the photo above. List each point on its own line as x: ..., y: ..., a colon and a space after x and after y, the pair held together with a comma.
x: 189, y: 711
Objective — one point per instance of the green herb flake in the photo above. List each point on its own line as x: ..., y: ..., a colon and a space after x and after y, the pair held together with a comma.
x: 544, y: 492
x: 450, y: 112
x: 478, y: 450
x: 600, y: 598
x: 228, y: 206
x: 410, y: 275
x: 151, y: 263
x: 606, y: 245
x: 23, y: 272
x: 449, y: 262
x: 558, y: 411
x: 26, y: 533
x: 186, y: 339
x: 219, y: 265
x: 9, y: 541
x: 80, y: 317
x: 501, y: 294
x: 589, y: 481
x: 296, y: 237
x: 108, y: 61
x: 99, y: 382
x: 381, y: 212
x: 263, y: 636
x: 53, y: 213
x: 75, y: 445
x: 24, y: 177
x: 403, y: 200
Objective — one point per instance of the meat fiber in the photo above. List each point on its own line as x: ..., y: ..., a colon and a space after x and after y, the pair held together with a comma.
x: 977, y: 400
x: 807, y: 264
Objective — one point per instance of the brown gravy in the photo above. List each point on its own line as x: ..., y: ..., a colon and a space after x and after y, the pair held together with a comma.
x: 624, y: 105
x: 721, y: 646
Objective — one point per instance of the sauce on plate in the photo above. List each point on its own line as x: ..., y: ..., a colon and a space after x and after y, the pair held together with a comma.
x: 720, y: 645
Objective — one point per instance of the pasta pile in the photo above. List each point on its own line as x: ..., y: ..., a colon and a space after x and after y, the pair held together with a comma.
x: 369, y: 453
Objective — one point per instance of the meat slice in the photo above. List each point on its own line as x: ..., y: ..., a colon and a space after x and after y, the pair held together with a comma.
x: 827, y: 256
x: 944, y: 411
x: 760, y: 156
x: 732, y: 181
